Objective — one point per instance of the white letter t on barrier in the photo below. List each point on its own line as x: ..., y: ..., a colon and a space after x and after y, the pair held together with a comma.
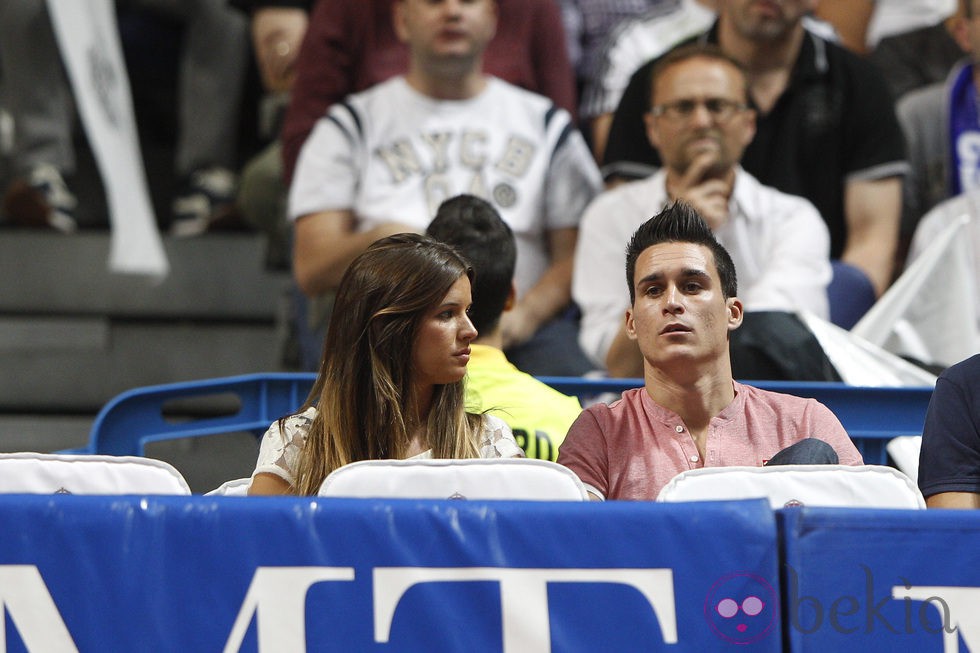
x: 524, y: 597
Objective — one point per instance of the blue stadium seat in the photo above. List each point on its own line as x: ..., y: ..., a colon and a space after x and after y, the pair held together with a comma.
x: 872, y: 416
x: 849, y: 293
x: 138, y: 416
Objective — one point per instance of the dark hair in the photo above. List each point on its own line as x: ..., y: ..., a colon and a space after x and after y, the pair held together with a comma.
x: 680, y: 223
x: 474, y: 228
x: 695, y: 50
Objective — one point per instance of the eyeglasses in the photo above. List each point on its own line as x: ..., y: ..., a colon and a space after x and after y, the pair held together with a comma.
x: 721, y: 110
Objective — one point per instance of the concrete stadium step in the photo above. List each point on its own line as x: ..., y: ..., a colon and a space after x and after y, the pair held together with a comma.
x: 73, y: 335
x: 214, y: 276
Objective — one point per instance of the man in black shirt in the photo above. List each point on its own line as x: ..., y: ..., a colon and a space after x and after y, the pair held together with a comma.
x: 826, y: 128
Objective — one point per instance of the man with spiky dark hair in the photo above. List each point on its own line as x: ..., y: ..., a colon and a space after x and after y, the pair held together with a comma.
x: 690, y: 413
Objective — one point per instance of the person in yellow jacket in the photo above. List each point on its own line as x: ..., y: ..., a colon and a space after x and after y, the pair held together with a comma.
x: 538, y: 414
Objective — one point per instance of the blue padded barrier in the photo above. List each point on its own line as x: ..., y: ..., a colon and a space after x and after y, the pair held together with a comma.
x: 291, y: 574
x: 880, y: 580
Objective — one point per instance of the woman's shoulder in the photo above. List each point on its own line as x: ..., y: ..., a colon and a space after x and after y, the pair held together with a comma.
x: 291, y: 429
x: 297, y: 422
x: 496, y: 439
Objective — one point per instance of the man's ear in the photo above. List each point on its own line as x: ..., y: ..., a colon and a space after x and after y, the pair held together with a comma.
x: 495, y: 9
x: 750, y: 127
x: 398, y: 20
x: 511, y: 297
x: 652, y: 129
x: 735, y: 313
x: 630, y: 325
x: 959, y: 28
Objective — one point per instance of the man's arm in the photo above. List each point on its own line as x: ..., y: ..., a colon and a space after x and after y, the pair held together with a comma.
x: 954, y: 500
x: 548, y: 296
x: 872, y: 209
x: 950, y: 453
x: 325, y: 243
x: 277, y: 33
x: 850, y: 18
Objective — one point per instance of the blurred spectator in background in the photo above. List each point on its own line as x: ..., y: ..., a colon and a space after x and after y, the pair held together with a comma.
x: 39, y: 99
x: 636, y: 41
x: 351, y: 45
x: 941, y: 127
x: 278, y: 28
x: 630, y: 45
x: 921, y: 56
x: 382, y: 161
x: 589, y: 24
x: 826, y: 128
x: 538, y: 414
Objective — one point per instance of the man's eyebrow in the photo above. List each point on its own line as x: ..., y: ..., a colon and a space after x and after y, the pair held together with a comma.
x: 695, y: 272
x: 688, y: 273
x: 656, y: 276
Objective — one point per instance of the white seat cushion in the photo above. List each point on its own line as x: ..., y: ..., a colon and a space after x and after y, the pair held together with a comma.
x: 869, y: 486
x: 502, y: 478
x: 40, y: 473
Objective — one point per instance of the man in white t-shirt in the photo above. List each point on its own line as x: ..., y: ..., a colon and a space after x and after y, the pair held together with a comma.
x: 700, y: 123
x: 382, y: 161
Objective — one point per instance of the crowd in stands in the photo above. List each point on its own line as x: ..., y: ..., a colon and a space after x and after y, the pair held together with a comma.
x: 538, y: 138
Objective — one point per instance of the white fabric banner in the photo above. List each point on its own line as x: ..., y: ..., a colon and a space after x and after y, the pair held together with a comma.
x: 862, y: 363
x: 88, y: 38
x: 930, y: 312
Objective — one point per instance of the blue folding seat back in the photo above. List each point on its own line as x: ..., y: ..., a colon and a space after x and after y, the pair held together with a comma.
x: 138, y: 416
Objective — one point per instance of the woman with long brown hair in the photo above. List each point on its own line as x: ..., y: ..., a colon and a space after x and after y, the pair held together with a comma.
x: 390, y: 383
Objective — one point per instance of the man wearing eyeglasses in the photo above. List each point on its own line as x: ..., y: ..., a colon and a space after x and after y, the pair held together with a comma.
x: 700, y: 124
x: 826, y: 128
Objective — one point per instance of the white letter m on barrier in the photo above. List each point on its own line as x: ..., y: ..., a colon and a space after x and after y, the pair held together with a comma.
x: 25, y: 597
